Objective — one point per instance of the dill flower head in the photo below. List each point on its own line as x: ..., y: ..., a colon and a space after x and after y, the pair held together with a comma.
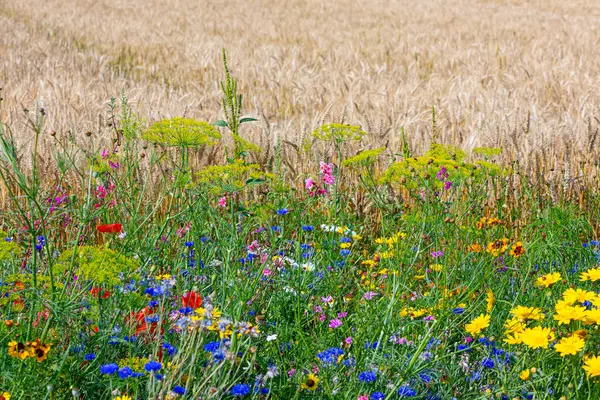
x: 182, y: 132
x: 363, y: 159
x: 487, y: 152
x: 338, y: 133
x: 8, y: 248
x: 569, y: 345
x: 478, y: 324
x: 98, y: 264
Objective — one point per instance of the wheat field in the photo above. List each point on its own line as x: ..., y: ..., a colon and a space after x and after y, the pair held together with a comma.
x: 522, y: 75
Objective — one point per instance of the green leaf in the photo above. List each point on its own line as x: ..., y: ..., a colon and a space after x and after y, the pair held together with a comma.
x: 255, y: 181
x: 247, y: 119
x: 220, y: 123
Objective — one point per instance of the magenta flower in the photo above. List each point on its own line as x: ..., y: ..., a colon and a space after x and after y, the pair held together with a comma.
x: 223, y: 201
x: 327, y: 173
x: 335, y: 323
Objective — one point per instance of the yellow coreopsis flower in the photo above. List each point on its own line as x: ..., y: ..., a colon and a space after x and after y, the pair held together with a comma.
x: 548, y: 279
x: 564, y: 315
x: 592, y: 274
x: 514, y: 339
x: 527, y: 313
x: 592, y: 366
x: 525, y: 374
x: 569, y: 345
x: 538, y: 337
x: 478, y: 324
x: 571, y: 295
x: 491, y: 300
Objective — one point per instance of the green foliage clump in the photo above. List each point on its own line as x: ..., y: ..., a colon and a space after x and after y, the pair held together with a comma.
x: 339, y: 133
x: 8, y: 249
x: 182, y: 132
x: 231, y: 177
x: 98, y: 264
x: 363, y: 159
x: 26, y: 280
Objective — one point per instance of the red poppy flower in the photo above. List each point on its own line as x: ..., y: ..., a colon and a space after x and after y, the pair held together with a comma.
x: 191, y: 299
x: 96, y: 290
x: 138, y: 321
x: 110, y: 228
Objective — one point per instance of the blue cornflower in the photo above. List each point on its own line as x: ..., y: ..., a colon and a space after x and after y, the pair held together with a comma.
x: 170, y: 348
x: 330, y: 356
x: 367, y: 376
x: 180, y: 390
x: 275, y: 228
x: 424, y: 377
x: 488, y: 363
x: 406, y: 391
x: 461, y: 347
x: 349, y: 362
x: 345, y: 240
x: 137, y: 374
x: 458, y: 310
x: 308, y: 228
x: 159, y: 377
x: 78, y: 349
x: 189, y: 244
x: 152, y: 303
x: 109, y: 369
x: 152, y: 366
x: 282, y: 211
x: 152, y: 318
x: 240, y: 390
x: 344, y: 252
x: 475, y: 377
x: 186, y: 310
x: 212, y: 346
x: 125, y: 372
x: 89, y: 357
x: 377, y: 396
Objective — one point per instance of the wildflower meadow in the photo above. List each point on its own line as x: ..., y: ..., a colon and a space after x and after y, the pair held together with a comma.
x: 130, y: 271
